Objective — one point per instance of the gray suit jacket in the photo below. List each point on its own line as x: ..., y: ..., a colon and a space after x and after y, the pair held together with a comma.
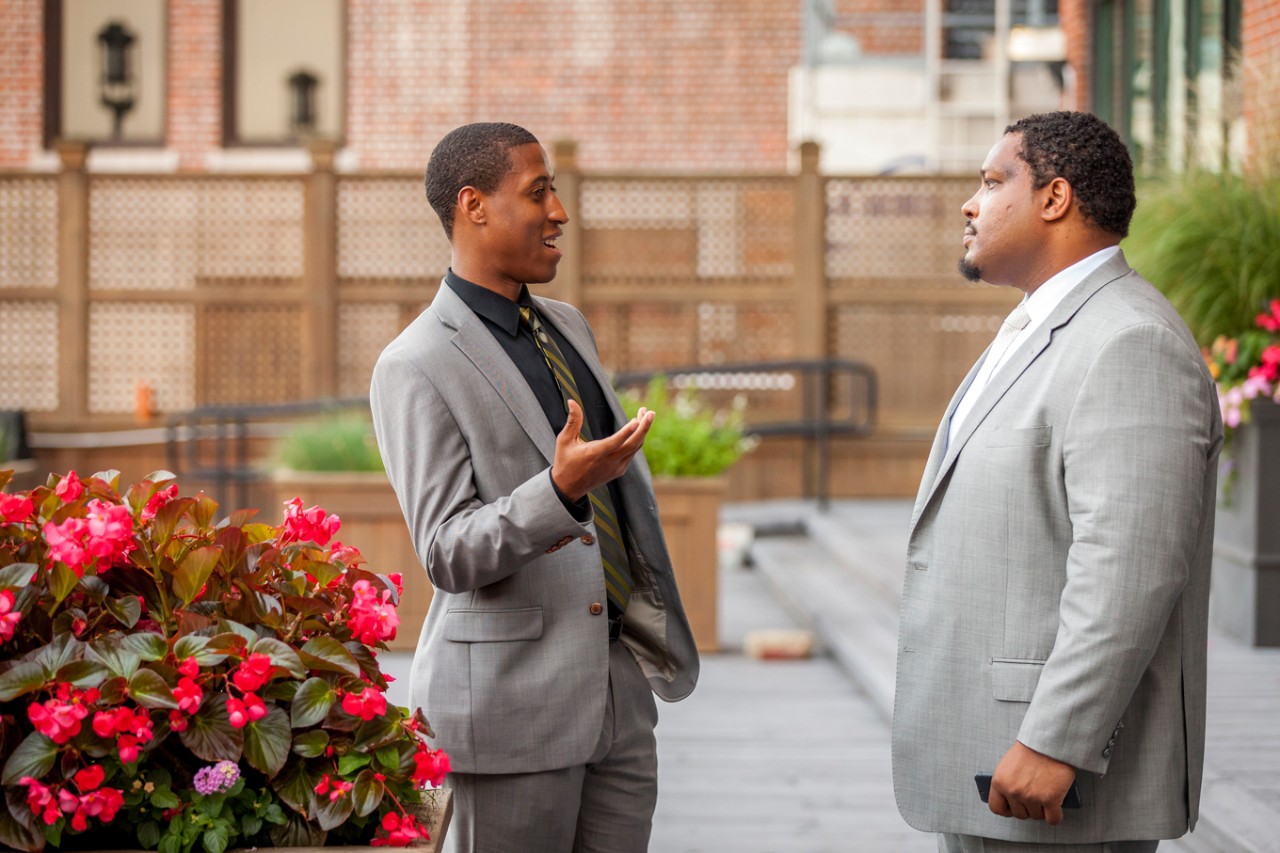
x: 1058, y: 576
x: 512, y: 666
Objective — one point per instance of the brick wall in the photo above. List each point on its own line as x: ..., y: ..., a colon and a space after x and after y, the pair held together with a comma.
x: 1261, y: 45
x: 22, y: 89
x: 885, y: 27
x: 194, y: 87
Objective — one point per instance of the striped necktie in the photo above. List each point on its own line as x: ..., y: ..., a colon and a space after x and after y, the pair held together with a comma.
x: 613, y: 553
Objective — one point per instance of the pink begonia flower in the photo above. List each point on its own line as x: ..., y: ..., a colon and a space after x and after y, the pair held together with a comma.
x: 158, y: 500
x: 248, y: 710
x: 9, y: 618
x: 41, y: 800
x: 373, y: 616
x: 253, y: 673
x: 69, y: 487
x: 335, y: 788
x: 66, y: 543
x: 432, y: 765
x: 110, y: 530
x: 367, y: 704
x: 57, y: 719
x: 89, y: 778
x: 308, y: 525
x: 14, y: 508
x: 348, y: 555
x: 188, y: 694
x: 401, y: 831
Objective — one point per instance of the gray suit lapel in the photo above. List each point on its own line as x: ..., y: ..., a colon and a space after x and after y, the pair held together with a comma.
x: 1009, y: 373
x: 477, y: 343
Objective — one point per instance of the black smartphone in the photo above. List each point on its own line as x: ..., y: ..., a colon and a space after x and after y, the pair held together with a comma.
x: 983, y: 781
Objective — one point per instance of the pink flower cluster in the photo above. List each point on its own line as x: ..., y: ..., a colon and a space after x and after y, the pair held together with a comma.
x: 398, y: 830
x: 59, y: 718
x: 431, y: 766
x: 9, y: 618
x: 373, y: 616
x: 51, y: 803
x: 245, y: 711
x: 105, y: 533
x: 335, y: 788
x: 15, y: 508
x: 131, y: 728
x: 367, y: 704
x: 308, y: 525
x: 158, y: 500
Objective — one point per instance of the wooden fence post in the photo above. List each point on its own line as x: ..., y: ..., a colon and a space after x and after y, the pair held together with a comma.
x: 320, y: 274
x: 810, y: 259
x: 568, y: 283
x: 73, y: 283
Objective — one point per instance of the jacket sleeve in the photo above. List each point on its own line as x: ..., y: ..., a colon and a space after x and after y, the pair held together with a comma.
x: 463, y: 542
x: 1139, y: 437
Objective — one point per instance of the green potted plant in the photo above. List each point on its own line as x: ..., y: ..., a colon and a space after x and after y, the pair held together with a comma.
x: 333, y: 460
x: 688, y: 448
x: 1212, y: 244
x: 173, y: 681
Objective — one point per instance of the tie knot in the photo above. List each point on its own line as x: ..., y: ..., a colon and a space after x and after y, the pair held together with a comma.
x: 1017, y: 319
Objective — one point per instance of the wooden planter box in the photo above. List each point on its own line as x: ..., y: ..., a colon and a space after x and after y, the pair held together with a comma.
x: 1246, y: 539
x: 372, y: 522
x: 689, y: 508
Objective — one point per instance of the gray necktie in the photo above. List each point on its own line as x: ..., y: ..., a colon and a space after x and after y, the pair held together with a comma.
x: 1009, y: 329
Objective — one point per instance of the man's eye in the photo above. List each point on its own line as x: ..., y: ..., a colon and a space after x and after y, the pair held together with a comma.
x: 988, y: 183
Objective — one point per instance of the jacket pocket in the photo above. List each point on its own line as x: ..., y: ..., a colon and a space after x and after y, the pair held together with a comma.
x: 493, y: 626
x: 1015, y: 680
x: 1036, y: 436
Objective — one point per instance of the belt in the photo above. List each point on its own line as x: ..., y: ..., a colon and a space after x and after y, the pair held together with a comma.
x: 615, y: 628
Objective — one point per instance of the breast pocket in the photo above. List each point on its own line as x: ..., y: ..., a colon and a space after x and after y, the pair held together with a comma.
x: 1035, y: 436
x: 1015, y: 680
x: 493, y: 626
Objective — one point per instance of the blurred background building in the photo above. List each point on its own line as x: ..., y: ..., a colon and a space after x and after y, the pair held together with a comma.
x: 219, y: 201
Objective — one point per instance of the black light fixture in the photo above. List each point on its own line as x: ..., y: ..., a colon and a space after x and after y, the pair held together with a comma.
x: 116, y: 77
x: 302, y: 110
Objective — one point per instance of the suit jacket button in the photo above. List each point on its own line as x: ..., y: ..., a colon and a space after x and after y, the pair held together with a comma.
x: 588, y: 539
x: 596, y: 608
x: 1106, y: 753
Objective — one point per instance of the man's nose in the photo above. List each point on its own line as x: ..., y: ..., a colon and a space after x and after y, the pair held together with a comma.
x: 558, y: 213
x: 970, y: 207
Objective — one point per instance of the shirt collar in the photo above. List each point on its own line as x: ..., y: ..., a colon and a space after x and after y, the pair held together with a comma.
x: 499, y: 310
x: 1045, y: 298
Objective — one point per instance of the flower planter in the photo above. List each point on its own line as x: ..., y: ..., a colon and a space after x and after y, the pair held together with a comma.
x: 372, y: 522
x: 689, y: 509
x: 1246, y: 541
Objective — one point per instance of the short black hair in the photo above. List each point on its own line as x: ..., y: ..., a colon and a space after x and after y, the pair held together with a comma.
x: 474, y: 155
x: 1082, y: 149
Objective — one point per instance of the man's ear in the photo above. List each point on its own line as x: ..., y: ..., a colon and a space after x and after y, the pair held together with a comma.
x: 471, y: 205
x: 1057, y: 198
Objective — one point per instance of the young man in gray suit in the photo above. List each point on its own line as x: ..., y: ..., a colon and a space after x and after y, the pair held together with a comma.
x: 1054, y: 612
x: 556, y: 616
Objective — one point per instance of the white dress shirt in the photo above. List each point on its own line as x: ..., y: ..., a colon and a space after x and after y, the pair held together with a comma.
x: 1039, y: 305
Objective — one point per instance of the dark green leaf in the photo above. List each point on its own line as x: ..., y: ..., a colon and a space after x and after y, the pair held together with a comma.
x: 113, y: 690
x: 312, y: 702
x: 389, y: 758
x: 61, y: 581
x: 17, y: 575
x: 323, y: 572
x: 368, y: 663
x: 164, y: 798
x: 367, y: 793
x: 17, y: 836
x: 188, y: 645
x: 326, y: 653
x: 244, y: 631
x: 307, y: 606
x: 82, y: 674
x: 213, y: 804
x: 170, y: 844
x: 127, y: 610
x: 149, y: 690
x: 229, y: 642
x: 275, y: 814
x: 95, y: 588
x: 312, y: 744
x: 282, y: 655
x: 296, y: 786
x: 283, y: 690
x: 191, y: 576
x: 297, y: 831
x: 250, y: 825
x: 57, y: 654
x: 112, y: 654
x: 148, y: 834
x: 376, y: 733
x: 34, y: 757
x: 266, y: 742
x: 21, y: 678
x: 210, y: 734
x: 147, y: 645
x: 332, y: 813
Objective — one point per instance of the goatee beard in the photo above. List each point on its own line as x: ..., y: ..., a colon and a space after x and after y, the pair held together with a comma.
x: 969, y: 270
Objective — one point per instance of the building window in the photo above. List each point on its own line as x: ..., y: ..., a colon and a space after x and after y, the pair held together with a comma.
x: 284, y: 74
x: 105, y: 71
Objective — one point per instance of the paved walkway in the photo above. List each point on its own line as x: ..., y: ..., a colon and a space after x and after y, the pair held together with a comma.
x: 841, y: 572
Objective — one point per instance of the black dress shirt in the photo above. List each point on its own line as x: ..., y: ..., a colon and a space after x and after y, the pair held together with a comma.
x: 502, y: 317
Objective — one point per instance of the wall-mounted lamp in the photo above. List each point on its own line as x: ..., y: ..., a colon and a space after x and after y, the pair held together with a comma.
x: 302, y: 100
x: 116, y: 76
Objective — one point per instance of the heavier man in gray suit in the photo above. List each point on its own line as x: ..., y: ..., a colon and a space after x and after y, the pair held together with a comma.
x: 536, y: 665
x: 1055, y: 604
